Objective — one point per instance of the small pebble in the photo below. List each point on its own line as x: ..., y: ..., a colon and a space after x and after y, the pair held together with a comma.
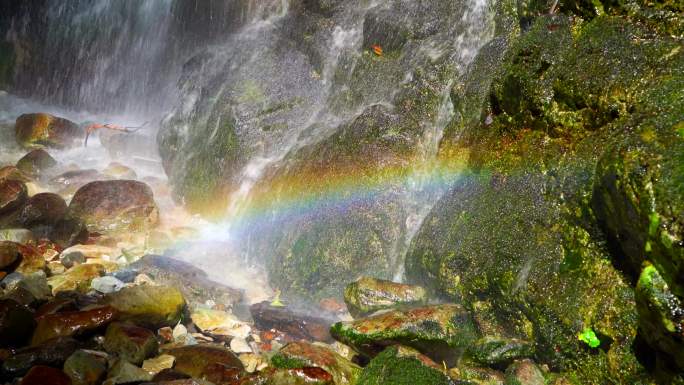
x: 106, y: 284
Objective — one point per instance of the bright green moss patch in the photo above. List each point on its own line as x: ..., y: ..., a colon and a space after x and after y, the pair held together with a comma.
x: 395, y: 366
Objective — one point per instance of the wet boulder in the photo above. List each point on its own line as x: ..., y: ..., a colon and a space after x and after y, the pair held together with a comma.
x: 85, y: 368
x: 111, y: 206
x: 399, y: 365
x: 36, y: 162
x: 44, y: 209
x: 296, y: 376
x: 13, y: 173
x: 130, y: 343
x: 198, y: 360
x: 299, y: 325
x: 13, y: 194
x: 71, y: 323
x: 367, y: 295
x: 298, y: 355
x: 42, y: 129
x: 68, y: 232
x: 52, y: 353
x: 192, y: 282
x: 40, y: 375
x: 150, y: 306
x: 499, y: 352
x: 440, y: 331
x: 16, y: 323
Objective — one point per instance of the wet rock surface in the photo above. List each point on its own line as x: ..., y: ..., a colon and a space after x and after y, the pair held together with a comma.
x: 36, y: 162
x: 368, y: 295
x: 110, y: 206
x: 440, y: 331
x: 47, y: 130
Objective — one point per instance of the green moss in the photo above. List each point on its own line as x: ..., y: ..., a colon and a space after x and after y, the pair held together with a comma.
x: 391, y: 368
x: 283, y: 362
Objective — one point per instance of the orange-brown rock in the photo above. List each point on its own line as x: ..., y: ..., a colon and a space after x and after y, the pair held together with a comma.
x: 115, y: 206
x: 71, y: 323
x: 46, y: 130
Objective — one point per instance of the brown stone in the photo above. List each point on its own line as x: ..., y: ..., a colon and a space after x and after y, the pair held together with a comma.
x: 45, y: 375
x: 36, y: 162
x: 116, y: 205
x: 47, y: 130
x: 195, y: 360
x: 42, y: 209
x: 71, y: 323
x: 13, y: 194
x: 284, y: 319
x: 9, y: 254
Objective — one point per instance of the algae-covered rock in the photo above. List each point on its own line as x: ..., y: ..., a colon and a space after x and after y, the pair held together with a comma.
x: 398, y: 365
x: 85, y: 368
x: 497, y: 352
x: 524, y: 372
x: 299, y: 355
x: 47, y: 130
x: 661, y: 313
x: 439, y: 331
x: 112, y: 206
x: 521, y: 231
x: 130, y: 343
x: 147, y: 305
x: 367, y: 295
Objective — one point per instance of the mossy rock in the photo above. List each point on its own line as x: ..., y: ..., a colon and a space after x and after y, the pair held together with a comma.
x: 299, y: 355
x: 441, y: 332
x: 399, y: 365
x: 521, y: 230
x: 662, y: 315
x: 367, y: 295
x: 146, y: 305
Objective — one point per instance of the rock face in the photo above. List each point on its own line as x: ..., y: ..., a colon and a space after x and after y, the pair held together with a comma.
x: 440, y: 331
x: 47, y: 130
x: 44, y: 209
x: 367, y: 295
x: 400, y: 365
x: 114, y: 206
x: 569, y: 187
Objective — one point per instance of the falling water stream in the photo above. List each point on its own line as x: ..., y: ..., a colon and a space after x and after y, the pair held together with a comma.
x: 125, y: 62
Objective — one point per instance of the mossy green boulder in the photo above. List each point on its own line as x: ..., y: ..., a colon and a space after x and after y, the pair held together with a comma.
x: 441, y: 332
x: 367, y: 295
x: 399, y: 365
x: 298, y: 355
x: 550, y: 223
x: 147, y: 305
